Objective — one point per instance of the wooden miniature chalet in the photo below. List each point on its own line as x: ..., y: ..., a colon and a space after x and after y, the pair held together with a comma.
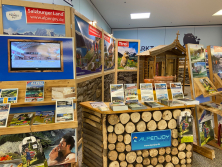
x: 162, y: 62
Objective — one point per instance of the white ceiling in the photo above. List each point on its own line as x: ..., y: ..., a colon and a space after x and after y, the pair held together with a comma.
x: 163, y: 12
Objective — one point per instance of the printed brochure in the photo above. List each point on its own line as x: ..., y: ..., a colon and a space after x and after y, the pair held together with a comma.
x: 21, y: 119
x: 131, y: 95
x: 4, y: 113
x: 44, y: 117
x: 176, y: 90
x: 34, y: 91
x: 63, y: 93
x: 64, y: 110
x: 161, y: 91
x: 8, y: 95
x: 117, y: 94
x: 146, y: 90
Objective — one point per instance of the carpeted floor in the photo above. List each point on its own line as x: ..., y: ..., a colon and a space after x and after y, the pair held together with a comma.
x: 198, y: 160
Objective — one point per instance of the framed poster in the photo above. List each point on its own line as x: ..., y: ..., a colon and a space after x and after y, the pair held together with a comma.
x: 109, y: 53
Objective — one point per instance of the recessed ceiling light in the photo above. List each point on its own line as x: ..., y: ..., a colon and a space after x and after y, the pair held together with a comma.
x: 140, y: 15
x: 219, y: 13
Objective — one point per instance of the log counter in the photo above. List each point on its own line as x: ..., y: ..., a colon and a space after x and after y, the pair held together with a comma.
x: 107, y: 137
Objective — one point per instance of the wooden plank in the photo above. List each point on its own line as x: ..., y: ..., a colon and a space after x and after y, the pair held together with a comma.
x: 91, y: 117
x: 218, y: 80
x: 189, y: 72
x: 195, y: 118
x: 209, y: 153
x: 138, y: 72
x: 116, y: 62
x: 92, y: 112
x: 92, y: 139
x: 38, y: 128
x: 151, y: 69
x: 213, y: 110
x: 109, y: 72
x: 95, y: 124
x: 91, y: 128
x: 89, y: 132
x: 214, y: 144
x: 210, y: 63
x: 88, y: 106
x: 92, y: 160
x: 202, y: 89
x: 84, y: 78
x: 89, y: 153
x: 102, y: 56
x: 98, y: 148
x: 1, y: 19
x: 184, y: 72
x: 105, y: 162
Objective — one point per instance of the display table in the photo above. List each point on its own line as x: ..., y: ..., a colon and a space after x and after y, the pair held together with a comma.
x: 107, y: 137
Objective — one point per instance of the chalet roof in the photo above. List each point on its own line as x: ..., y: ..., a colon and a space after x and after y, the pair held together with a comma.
x: 163, y: 48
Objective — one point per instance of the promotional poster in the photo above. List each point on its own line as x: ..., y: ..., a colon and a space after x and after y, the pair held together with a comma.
x: 176, y: 90
x: 64, y: 110
x: 131, y: 95
x: 150, y: 139
x: 109, y: 53
x: 216, y: 58
x: 117, y: 94
x: 19, y: 20
x: 88, y: 48
x: 127, y: 58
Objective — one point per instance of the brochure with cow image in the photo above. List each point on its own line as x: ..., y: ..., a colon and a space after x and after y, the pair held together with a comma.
x: 63, y: 93
x: 146, y: 90
x: 64, y: 110
x: 34, y: 91
x: 176, y: 90
x: 117, y: 94
x: 131, y: 95
x: 4, y: 113
x: 161, y: 91
x: 9, y: 95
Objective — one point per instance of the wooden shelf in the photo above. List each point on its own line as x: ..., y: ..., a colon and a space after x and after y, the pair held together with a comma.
x: 214, y: 144
x: 41, y: 103
x: 211, y: 109
x: 88, y: 106
x: 38, y: 128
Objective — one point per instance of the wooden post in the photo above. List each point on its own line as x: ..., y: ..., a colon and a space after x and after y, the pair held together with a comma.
x: 184, y: 71
x: 154, y: 67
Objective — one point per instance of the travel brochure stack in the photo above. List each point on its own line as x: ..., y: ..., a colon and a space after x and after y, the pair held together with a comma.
x: 35, y: 93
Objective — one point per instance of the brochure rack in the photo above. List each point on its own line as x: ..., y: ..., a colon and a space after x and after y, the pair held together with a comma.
x: 107, y: 137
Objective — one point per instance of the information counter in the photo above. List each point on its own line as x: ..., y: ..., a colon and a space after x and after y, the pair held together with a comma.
x: 134, y: 138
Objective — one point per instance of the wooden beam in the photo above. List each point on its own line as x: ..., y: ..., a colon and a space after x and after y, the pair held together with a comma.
x: 208, y: 153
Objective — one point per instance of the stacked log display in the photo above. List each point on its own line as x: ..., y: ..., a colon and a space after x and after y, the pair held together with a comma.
x: 107, y: 140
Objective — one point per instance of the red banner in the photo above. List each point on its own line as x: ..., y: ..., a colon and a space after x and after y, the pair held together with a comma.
x: 46, y: 16
x: 95, y: 32
x: 123, y: 43
x: 107, y: 38
x: 217, y: 49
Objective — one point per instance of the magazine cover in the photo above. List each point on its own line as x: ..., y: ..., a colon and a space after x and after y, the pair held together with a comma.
x: 117, y: 94
x: 64, y: 110
x: 146, y: 90
x: 161, y: 91
x: 206, y: 127
x: 63, y: 93
x: 185, y: 124
x: 176, y: 90
x: 44, y: 117
x: 21, y: 119
x: 208, y: 87
x: 9, y: 95
x: 4, y: 113
x: 34, y: 91
x: 216, y: 58
x: 131, y: 95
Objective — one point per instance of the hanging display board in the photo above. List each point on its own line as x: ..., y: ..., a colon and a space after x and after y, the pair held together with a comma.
x: 127, y: 51
x: 88, y: 48
x: 19, y: 20
x: 109, y: 53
